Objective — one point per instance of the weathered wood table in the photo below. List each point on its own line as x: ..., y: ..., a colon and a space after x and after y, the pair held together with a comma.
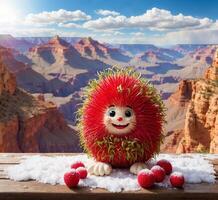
x: 34, y: 190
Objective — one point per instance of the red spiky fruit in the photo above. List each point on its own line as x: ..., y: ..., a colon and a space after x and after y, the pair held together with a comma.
x: 177, y: 179
x: 82, y: 171
x: 166, y: 165
x: 159, y: 173
x: 103, y: 130
x: 146, y: 178
x: 71, y: 178
x: 77, y: 164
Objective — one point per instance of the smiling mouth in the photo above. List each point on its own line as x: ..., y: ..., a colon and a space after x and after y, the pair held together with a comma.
x: 120, y: 126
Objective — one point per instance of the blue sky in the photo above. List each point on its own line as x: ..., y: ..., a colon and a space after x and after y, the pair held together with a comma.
x: 162, y: 22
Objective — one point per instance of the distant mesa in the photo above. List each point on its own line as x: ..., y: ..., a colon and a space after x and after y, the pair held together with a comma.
x: 55, y: 50
x: 188, y: 48
x: 56, y: 40
x: 54, y: 43
x: 159, y: 55
x: 136, y: 49
x: 63, y: 66
x: 9, y: 41
x: 204, y: 55
x: 6, y: 37
x: 96, y: 50
x: 89, y: 47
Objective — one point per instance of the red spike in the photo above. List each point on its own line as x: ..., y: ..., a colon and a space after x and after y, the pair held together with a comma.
x: 122, y: 90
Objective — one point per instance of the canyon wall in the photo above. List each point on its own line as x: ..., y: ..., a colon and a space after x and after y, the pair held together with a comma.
x: 30, y: 124
x: 200, y: 132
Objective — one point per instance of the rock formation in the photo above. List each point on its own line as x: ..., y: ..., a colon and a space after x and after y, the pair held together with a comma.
x: 212, y: 72
x: 204, y: 55
x: 200, y: 133
x: 177, y: 105
x: 95, y: 50
x: 28, y: 124
x: 7, y: 57
x: 159, y: 55
x: 9, y: 41
x: 26, y: 77
x: 195, y: 63
x: 183, y: 94
x: 7, y: 81
x: 89, y: 47
x: 59, y: 60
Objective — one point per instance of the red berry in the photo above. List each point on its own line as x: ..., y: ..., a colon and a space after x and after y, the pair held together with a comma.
x: 159, y: 173
x: 77, y: 164
x: 71, y: 178
x: 146, y: 178
x: 177, y: 179
x: 82, y: 172
x: 166, y: 165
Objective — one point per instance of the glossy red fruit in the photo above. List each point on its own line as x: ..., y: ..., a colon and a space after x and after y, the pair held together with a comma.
x: 146, y: 178
x: 166, y: 165
x: 77, y: 164
x: 71, y: 178
x: 177, y: 179
x: 159, y: 173
x: 82, y: 172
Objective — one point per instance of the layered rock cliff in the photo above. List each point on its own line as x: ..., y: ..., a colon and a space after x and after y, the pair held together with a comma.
x: 29, y: 124
x: 65, y: 69
x: 200, y: 132
x: 177, y: 105
x: 201, y: 121
x: 95, y: 50
x: 183, y: 94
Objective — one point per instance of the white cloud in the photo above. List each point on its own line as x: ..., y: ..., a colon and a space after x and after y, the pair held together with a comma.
x: 59, y: 16
x: 69, y: 25
x: 154, y: 19
x: 138, y: 34
x: 36, y: 32
x: 206, y: 36
x: 107, y: 23
x: 110, y: 33
x: 168, y: 28
x: 107, y: 12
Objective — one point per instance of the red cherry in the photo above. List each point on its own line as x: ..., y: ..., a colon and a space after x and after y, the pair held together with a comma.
x: 82, y: 172
x: 159, y: 173
x: 77, y: 164
x: 177, y: 179
x: 146, y: 178
x: 71, y: 178
x: 166, y: 165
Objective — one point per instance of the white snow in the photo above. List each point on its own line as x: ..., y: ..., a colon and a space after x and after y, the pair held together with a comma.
x: 145, y: 171
x: 157, y: 167
x: 195, y: 168
x: 177, y: 174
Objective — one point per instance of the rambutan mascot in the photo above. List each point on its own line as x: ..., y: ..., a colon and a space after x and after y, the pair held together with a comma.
x: 121, y: 121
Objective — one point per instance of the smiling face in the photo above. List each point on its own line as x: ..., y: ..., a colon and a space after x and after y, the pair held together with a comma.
x: 119, y: 120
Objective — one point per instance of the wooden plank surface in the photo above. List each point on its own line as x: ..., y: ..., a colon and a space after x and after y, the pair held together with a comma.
x: 34, y: 190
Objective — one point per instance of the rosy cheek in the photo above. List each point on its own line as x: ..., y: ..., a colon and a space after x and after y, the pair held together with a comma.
x: 109, y: 120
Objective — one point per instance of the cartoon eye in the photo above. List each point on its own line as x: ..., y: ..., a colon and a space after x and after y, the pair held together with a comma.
x: 111, y: 112
x: 128, y: 113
